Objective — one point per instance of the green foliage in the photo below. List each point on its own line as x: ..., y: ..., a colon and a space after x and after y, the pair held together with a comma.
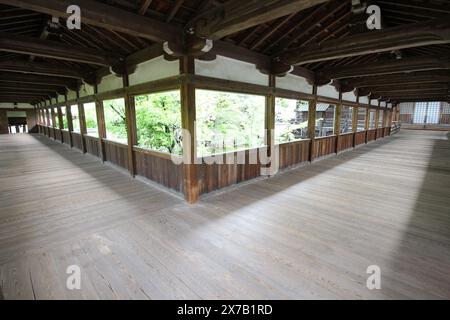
x: 115, y: 120
x: 91, y: 118
x: 291, y: 121
x: 228, y: 121
x: 64, y: 117
x: 158, y: 121
x: 55, y: 113
x: 75, y: 118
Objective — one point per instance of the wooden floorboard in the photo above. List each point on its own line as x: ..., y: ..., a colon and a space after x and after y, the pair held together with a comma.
x: 308, y: 233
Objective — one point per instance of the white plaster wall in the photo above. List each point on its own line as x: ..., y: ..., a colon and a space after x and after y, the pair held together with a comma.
x: 328, y: 91
x: 294, y: 83
x: 364, y: 100
x: 349, y: 96
x: 383, y: 104
x: 72, y: 95
x: 231, y: 69
x: 154, y: 69
x: 86, y: 90
x: 109, y: 83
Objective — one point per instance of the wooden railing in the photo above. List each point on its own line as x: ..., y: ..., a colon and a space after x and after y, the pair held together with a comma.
x: 380, y: 133
x: 293, y: 153
x: 159, y: 167
x: 360, y: 138
x: 324, y: 146
x: 345, y: 141
x: 57, y: 133
x: 66, y: 137
x: 116, y: 153
x: 93, y: 145
x: 371, y: 135
x: 76, y: 139
x: 215, y: 176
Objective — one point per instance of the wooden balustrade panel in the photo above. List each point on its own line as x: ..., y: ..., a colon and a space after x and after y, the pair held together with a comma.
x: 324, y: 146
x: 51, y: 132
x: 360, y: 138
x: 76, y: 138
x: 93, y: 146
x: 380, y: 133
x: 57, y: 134
x: 293, y: 153
x: 217, y: 176
x: 345, y: 141
x: 116, y: 153
x: 66, y: 137
x: 387, y: 131
x: 445, y: 119
x: 159, y: 169
x: 371, y: 135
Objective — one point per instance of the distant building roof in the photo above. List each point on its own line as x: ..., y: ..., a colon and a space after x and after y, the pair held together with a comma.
x: 320, y: 107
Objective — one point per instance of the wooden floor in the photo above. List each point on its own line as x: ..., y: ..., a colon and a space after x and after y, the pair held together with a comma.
x: 309, y: 233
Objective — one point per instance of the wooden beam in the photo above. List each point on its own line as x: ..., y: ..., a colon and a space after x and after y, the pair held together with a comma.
x: 386, y: 40
x: 55, y: 50
x: 40, y: 68
x: 405, y: 88
x: 410, y: 78
x: 35, y: 79
x: 144, y: 6
x: 29, y: 86
x: 105, y: 16
x: 382, y: 68
x: 235, y: 15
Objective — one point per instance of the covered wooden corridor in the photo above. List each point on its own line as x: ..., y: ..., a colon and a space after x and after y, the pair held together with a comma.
x: 306, y: 233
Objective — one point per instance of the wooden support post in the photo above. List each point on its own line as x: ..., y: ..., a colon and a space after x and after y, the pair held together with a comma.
x: 377, y: 116
x: 355, y: 121
x: 367, y: 123
x: 188, y: 118
x: 312, y: 123
x: 61, y: 123
x: 82, y: 116
x: 53, y: 115
x: 337, y: 122
x: 101, y: 125
x: 270, y: 119
x: 69, y: 121
x: 130, y: 115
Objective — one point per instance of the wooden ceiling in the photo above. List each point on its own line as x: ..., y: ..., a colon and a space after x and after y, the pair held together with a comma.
x: 325, y: 39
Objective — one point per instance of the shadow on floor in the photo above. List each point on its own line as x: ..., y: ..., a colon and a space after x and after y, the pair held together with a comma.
x: 425, y: 260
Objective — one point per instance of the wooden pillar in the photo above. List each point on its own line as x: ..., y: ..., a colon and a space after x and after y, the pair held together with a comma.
x: 82, y: 116
x: 53, y: 115
x: 367, y: 123
x: 188, y: 118
x: 312, y: 123
x: 69, y: 121
x: 377, y: 117
x: 355, y: 121
x: 100, y: 123
x: 130, y: 114
x: 270, y: 121
x: 60, y: 122
x: 337, y: 122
